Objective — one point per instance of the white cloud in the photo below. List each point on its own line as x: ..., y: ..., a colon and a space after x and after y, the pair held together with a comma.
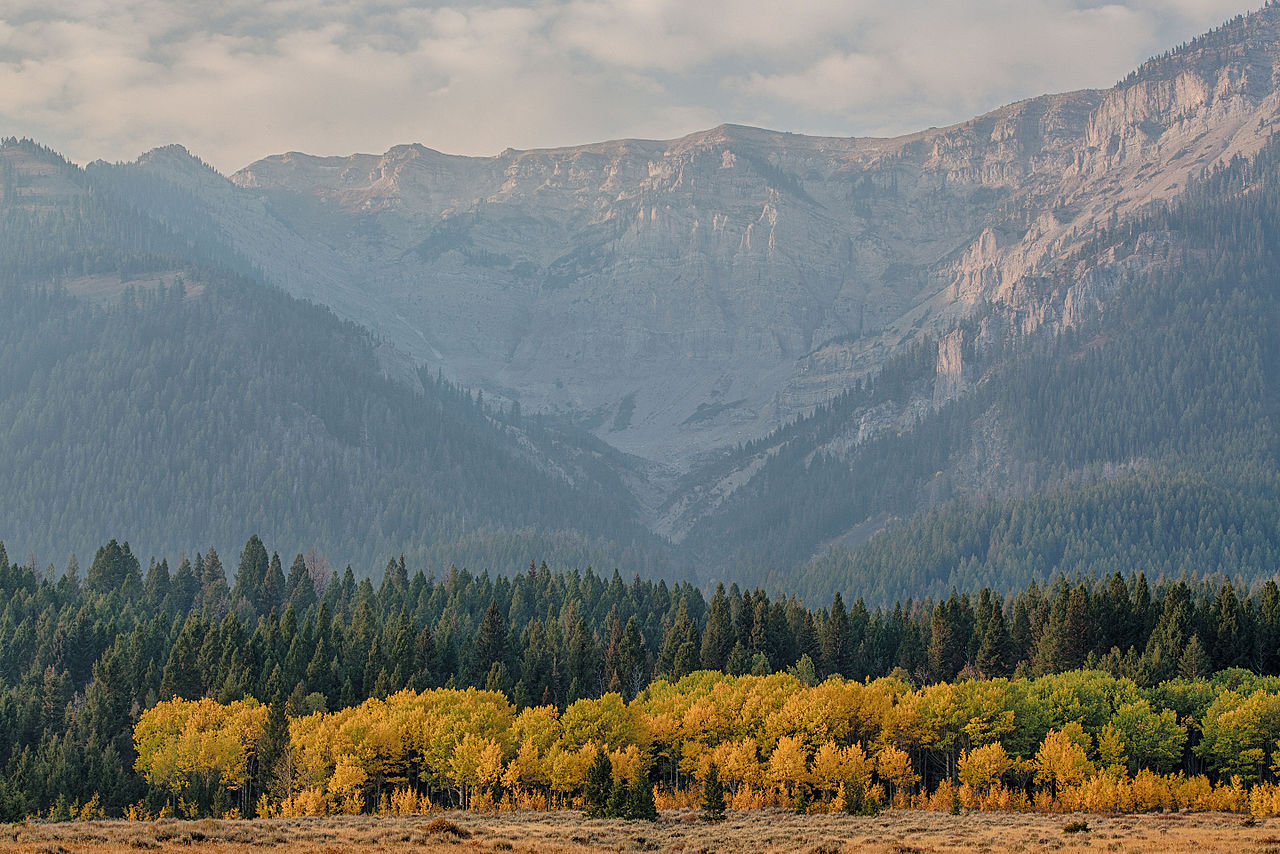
x: 97, y: 78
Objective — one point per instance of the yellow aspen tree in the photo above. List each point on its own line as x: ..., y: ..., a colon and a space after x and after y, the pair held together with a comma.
x: 346, y: 786
x: 894, y: 767
x: 1061, y: 761
x: 739, y: 763
x: 828, y: 770
x: 983, y: 766
x: 788, y: 766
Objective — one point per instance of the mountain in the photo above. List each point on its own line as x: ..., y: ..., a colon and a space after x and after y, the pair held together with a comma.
x: 680, y: 296
x: 757, y: 351
x: 1125, y: 336
x: 151, y: 391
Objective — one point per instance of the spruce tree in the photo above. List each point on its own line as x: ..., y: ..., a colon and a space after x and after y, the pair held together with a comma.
x: 713, y: 805
x: 250, y: 574
x: 718, y: 636
x: 599, y: 785
x: 270, y: 593
x: 617, y: 803
x: 299, y: 590
x: 640, y: 805
x: 490, y: 646
x: 836, y: 640
x: 992, y: 659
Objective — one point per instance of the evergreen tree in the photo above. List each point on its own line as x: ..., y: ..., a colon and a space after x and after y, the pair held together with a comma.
x: 114, y: 567
x: 214, y: 592
x: 250, y: 576
x: 993, y: 654
x: 837, y: 640
x: 270, y: 593
x: 490, y: 647
x: 1194, y: 662
x: 640, y: 805
x: 599, y: 785
x: 712, y: 803
x: 718, y: 635
x: 299, y: 590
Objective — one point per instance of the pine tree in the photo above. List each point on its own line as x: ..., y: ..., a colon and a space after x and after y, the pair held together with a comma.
x: 1194, y: 662
x: 680, y: 632
x: 856, y: 801
x: 739, y: 662
x: 712, y: 804
x: 250, y: 575
x: 993, y: 656
x: 640, y: 805
x: 633, y: 664
x: 805, y: 671
x: 836, y: 640
x: 114, y: 568
x: 617, y: 804
x: 214, y: 592
x: 299, y: 590
x: 155, y: 587
x: 490, y: 644
x: 599, y: 785
x: 184, y: 588
x: 718, y: 635
x: 273, y: 749
x: 270, y: 593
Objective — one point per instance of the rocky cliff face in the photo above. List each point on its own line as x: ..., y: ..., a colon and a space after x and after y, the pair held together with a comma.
x: 678, y: 296
x: 1143, y: 143
x: 681, y: 296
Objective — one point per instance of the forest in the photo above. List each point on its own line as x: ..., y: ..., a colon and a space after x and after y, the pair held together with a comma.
x: 292, y: 680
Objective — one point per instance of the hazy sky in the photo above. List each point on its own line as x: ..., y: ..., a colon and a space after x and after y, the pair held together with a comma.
x: 236, y: 80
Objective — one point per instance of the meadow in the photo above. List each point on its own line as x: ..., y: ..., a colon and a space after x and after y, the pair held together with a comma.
x: 567, y: 832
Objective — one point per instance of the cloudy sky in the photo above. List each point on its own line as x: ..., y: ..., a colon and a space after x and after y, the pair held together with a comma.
x: 236, y: 80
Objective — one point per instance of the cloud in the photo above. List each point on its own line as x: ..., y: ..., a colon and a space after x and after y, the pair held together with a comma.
x: 96, y: 78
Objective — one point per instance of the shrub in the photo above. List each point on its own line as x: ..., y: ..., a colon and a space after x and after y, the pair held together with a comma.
x: 444, y: 827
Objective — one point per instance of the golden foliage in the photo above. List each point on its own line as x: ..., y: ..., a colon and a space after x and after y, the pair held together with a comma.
x: 770, y: 736
x: 182, y: 742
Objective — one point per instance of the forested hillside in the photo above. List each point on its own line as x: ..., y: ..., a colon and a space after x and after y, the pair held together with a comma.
x: 1145, y: 437
x: 203, y: 404
x: 85, y: 654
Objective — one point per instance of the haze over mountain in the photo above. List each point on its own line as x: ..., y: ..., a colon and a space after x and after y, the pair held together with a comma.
x: 680, y: 299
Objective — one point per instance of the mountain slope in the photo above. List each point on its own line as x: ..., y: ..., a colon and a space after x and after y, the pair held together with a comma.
x: 1148, y: 433
x: 149, y: 393
x: 667, y: 293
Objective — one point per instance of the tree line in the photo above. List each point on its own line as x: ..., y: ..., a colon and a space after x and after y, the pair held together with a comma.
x: 81, y: 658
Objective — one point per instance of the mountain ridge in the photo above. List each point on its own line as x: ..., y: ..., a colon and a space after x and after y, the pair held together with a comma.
x: 708, y: 310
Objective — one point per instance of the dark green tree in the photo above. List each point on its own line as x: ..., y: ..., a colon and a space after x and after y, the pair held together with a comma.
x: 598, y: 786
x: 712, y: 803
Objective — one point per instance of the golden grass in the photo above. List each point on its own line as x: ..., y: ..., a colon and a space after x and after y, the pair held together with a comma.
x: 755, y: 831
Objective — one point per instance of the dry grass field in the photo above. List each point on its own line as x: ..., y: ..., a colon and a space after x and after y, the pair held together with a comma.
x: 757, y: 831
